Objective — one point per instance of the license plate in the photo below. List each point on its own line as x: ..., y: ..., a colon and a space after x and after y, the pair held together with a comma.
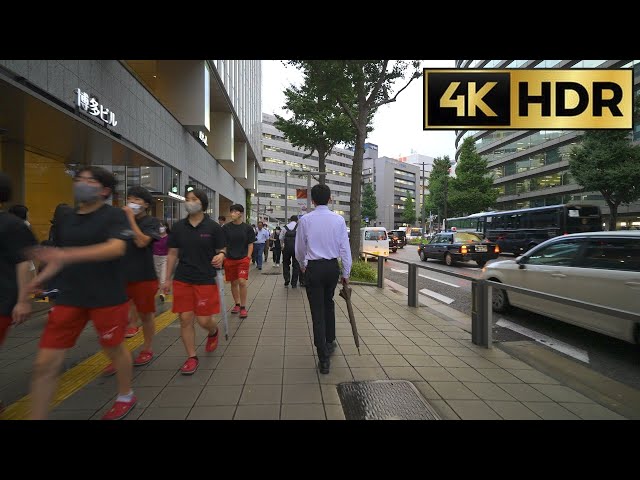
x: 481, y: 248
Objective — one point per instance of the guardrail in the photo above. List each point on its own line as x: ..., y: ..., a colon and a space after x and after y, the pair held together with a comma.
x: 482, y: 296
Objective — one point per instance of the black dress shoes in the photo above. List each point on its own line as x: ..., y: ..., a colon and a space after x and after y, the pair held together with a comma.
x: 324, y: 365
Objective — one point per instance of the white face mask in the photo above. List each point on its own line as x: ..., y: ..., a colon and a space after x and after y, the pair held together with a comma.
x: 135, y: 207
x: 193, y: 207
x: 163, y: 229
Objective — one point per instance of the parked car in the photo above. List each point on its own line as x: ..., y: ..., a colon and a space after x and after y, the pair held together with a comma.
x: 401, y: 237
x: 596, y: 267
x: 458, y: 246
x: 374, y: 240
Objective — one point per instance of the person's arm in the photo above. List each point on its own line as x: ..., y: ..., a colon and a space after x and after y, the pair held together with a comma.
x: 345, y: 254
x: 301, y: 245
x: 172, y: 258
x: 22, y: 309
x: 151, y: 232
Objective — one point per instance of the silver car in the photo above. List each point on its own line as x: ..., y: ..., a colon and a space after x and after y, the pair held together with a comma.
x: 598, y: 267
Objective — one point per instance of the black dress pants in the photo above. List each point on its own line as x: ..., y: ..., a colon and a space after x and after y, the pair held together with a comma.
x: 321, y: 278
x: 288, y: 257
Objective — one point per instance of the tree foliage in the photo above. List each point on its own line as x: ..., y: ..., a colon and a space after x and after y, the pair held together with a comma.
x: 369, y: 202
x: 359, y: 87
x: 409, y: 212
x: 317, y: 123
x: 472, y: 188
x: 439, y: 180
x: 606, y: 161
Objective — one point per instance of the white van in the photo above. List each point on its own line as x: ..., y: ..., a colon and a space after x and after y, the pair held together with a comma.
x: 374, y: 240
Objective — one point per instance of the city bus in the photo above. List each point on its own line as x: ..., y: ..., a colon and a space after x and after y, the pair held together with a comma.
x: 517, y: 231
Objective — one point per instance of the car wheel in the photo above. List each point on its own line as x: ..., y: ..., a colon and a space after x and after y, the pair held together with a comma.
x: 423, y: 257
x: 448, y: 259
x: 499, y: 300
x: 481, y: 263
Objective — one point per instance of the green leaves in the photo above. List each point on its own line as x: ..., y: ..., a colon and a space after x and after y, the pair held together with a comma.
x: 409, y: 212
x: 369, y: 202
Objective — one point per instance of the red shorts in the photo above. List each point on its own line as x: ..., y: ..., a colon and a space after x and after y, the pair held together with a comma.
x: 66, y: 323
x: 203, y: 300
x: 5, y: 323
x: 235, y: 269
x: 143, y: 295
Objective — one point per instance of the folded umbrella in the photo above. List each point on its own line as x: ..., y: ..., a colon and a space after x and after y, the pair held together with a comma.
x: 223, y: 307
x: 345, y: 293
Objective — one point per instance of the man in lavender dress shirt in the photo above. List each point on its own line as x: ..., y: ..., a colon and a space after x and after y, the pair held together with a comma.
x: 320, y: 240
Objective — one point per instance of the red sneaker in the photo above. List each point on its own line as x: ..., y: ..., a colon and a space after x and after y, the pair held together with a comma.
x: 243, y: 313
x: 109, y: 370
x: 119, y: 410
x: 212, y: 342
x: 190, y: 366
x: 236, y: 309
x: 131, y: 332
x: 143, y: 358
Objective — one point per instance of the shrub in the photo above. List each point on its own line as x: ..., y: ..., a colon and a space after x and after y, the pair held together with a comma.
x: 362, y: 271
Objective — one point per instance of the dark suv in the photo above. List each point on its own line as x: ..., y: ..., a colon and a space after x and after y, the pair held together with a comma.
x: 401, y: 237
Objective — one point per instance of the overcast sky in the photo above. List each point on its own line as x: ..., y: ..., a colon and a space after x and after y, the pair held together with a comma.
x: 397, y: 127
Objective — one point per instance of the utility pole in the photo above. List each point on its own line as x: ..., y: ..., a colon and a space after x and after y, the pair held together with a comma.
x: 301, y: 173
x: 286, y: 194
x: 446, y: 188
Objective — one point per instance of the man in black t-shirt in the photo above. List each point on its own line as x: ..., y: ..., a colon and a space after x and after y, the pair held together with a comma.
x: 92, y: 286
x: 15, y: 239
x: 198, y: 243
x: 142, y: 281
x: 239, y: 240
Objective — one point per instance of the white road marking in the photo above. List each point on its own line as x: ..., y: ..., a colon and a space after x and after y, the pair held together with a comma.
x: 565, y: 348
x: 399, y: 271
x: 437, y: 296
x: 441, y: 281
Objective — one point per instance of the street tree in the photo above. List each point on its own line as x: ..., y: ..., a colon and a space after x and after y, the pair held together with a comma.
x: 317, y: 124
x: 472, y: 190
x: 606, y: 161
x: 359, y: 87
x: 409, y: 212
x: 369, y: 202
x: 438, y: 186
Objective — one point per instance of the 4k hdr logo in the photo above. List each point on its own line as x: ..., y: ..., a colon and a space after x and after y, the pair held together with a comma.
x: 571, y: 99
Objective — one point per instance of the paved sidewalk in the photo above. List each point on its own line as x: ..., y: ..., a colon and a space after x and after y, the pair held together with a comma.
x: 267, y: 369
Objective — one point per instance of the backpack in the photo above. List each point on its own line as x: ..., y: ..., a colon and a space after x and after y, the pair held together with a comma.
x: 290, y: 238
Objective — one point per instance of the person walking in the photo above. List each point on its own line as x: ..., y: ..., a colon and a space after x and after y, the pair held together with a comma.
x: 15, y: 241
x: 160, y: 251
x: 321, y: 239
x: 142, y: 280
x: 93, y: 240
x: 277, y: 245
x: 253, y: 254
x: 197, y: 245
x: 262, y: 235
x: 239, y: 241
x: 288, y: 239
x: 222, y: 220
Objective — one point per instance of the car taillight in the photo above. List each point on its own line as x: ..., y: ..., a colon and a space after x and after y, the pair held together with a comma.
x: 497, y: 249
x: 463, y: 249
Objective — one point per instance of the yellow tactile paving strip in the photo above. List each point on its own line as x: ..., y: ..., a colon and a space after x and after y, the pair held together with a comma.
x: 82, y: 374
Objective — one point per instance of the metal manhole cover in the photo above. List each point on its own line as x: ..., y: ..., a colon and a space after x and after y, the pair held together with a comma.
x: 384, y: 400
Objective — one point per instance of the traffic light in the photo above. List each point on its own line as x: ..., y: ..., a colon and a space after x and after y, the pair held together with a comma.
x: 188, y: 188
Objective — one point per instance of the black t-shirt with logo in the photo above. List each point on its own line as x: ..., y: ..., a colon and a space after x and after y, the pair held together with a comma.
x: 238, y: 238
x: 197, y: 246
x: 15, y: 236
x: 139, y: 261
x: 93, y: 284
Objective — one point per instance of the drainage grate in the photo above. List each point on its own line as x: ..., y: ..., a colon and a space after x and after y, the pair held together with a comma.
x: 384, y: 400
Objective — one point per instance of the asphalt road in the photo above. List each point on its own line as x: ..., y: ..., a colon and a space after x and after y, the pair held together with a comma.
x: 609, y: 356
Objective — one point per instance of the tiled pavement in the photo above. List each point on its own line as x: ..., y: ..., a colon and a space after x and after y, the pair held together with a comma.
x: 267, y: 369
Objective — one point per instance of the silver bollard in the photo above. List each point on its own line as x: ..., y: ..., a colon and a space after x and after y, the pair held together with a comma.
x: 413, y: 285
x: 380, y: 272
x: 481, y: 314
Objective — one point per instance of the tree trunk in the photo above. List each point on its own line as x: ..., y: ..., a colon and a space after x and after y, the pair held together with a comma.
x: 355, y: 216
x: 322, y: 157
x: 613, y: 216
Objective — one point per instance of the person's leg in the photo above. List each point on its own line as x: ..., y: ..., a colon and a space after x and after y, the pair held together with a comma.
x: 64, y: 326
x: 44, y: 380
x: 5, y: 323
x: 286, y: 266
x: 120, y: 356
x: 260, y: 248
x: 296, y: 272
x: 315, y: 294
x: 235, y: 291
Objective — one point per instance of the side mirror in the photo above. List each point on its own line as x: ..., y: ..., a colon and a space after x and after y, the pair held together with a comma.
x: 521, y: 261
